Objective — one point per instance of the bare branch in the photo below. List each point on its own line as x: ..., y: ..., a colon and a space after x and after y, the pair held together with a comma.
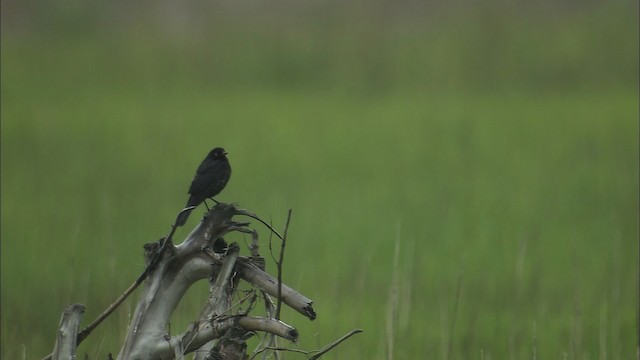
x: 220, y: 286
x: 327, y: 348
x: 87, y: 330
x: 282, y: 246
x: 253, y: 216
x: 218, y: 327
x: 65, y: 348
x: 317, y: 353
x: 270, y: 340
x: 266, y: 282
x: 218, y: 302
x: 271, y: 326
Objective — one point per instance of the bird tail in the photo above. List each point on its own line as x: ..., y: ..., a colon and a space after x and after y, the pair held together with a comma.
x: 183, y: 216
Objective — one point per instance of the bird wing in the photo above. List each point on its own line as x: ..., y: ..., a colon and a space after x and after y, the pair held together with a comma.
x: 205, y: 174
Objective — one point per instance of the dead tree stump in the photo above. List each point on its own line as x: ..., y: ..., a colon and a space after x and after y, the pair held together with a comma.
x: 179, y: 267
x: 222, y: 327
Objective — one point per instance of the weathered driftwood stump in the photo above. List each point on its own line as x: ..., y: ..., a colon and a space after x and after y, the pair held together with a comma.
x: 219, y: 330
x: 222, y: 328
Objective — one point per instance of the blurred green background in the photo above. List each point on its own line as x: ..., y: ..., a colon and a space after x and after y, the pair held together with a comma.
x: 496, y: 143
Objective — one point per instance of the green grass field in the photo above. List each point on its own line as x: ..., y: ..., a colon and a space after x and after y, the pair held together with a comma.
x: 513, y: 200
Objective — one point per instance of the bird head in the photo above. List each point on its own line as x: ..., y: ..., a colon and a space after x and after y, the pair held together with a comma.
x: 218, y: 153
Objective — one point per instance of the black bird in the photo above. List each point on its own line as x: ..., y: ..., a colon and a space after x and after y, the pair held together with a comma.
x: 211, y: 177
